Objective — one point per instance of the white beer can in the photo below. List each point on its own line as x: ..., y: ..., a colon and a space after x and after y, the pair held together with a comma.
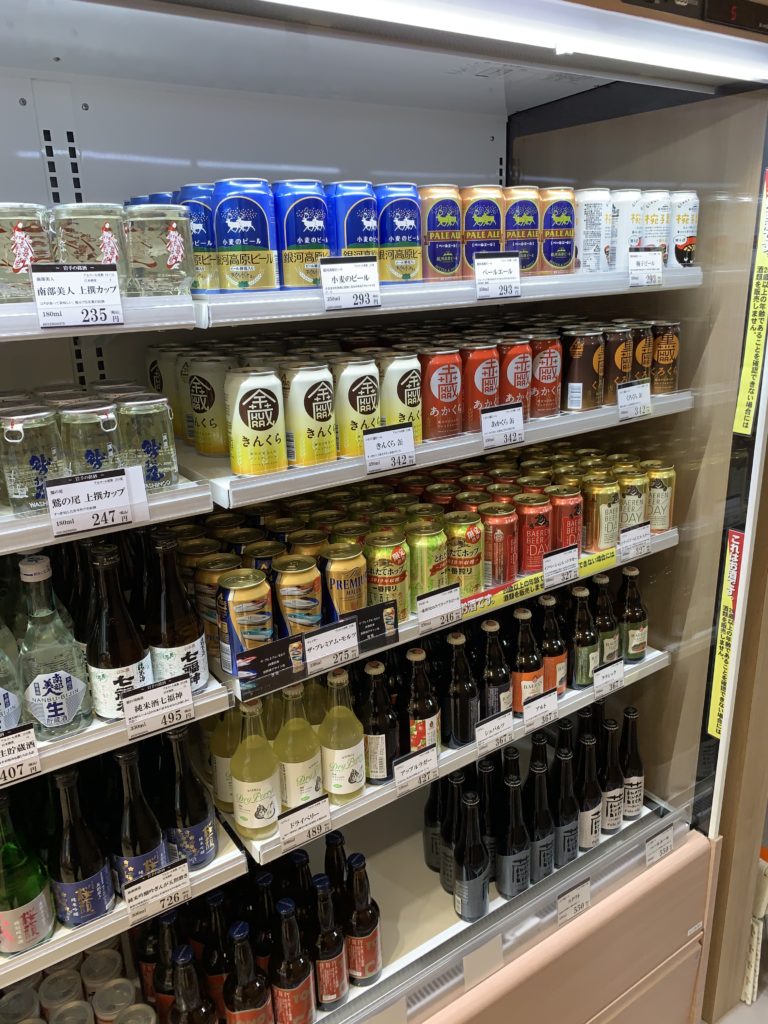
x: 592, y: 229
x: 626, y: 225
x: 683, y: 226
x: 357, y: 405
x: 656, y: 204
x: 309, y: 412
x: 400, y: 375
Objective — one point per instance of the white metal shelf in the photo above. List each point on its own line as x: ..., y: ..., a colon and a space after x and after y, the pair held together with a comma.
x: 142, y: 313
x: 235, y: 491
x: 374, y: 797
x: 230, y: 863
x: 24, y: 533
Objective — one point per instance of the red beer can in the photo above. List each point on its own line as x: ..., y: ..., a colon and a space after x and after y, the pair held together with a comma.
x: 534, y: 531
x: 499, y: 543
x: 441, y: 392
x: 469, y: 501
x: 504, y: 474
x: 442, y: 494
x: 547, y: 377
x: 415, y: 483
x: 516, y: 360
x: 567, y: 516
x: 446, y: 474
x: 481, y: 380
x: 503, y: 494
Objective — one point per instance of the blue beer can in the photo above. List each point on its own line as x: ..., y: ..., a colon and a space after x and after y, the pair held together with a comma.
x: 399, y: 232
x: 246, y: 235
x: 198, y: 199
x: 162, y: 197
x: 354, y: 220
x: 302, y: 231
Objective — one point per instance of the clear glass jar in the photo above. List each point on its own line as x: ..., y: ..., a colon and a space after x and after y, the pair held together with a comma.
x: 145, y: 436
x: 31, y: 454
x: 160, y: 249
x: 24, y: 240
x: 91, y: 233
x: 89, y: 436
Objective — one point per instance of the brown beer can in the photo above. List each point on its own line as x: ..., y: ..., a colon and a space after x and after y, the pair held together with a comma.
x: 567, y: 516
x: 583, y: 354
x: 618, y: 361
x: 666, y: 350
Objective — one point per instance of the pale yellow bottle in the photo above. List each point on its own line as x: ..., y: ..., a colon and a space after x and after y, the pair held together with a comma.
x: 298, y: 751
x: 273, y: 715
x: 255, y: 778
x: 341, y: 743
x: 315, y: 702
x: 224, y: 742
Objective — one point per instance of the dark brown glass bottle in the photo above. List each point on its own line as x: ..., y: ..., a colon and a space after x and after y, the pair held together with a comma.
x: 215, y: 961
x: 147, y: 954
x: 538, y: 756
x: 632, y: 616
x: 141, y: 848
x: 335, y: 866
x: 433, y: 813
x: 553, y: 650
x: 193, y: 833
x: 605, y: 621
x: 464, y: 694
x: 541, y: 827
x: 565, y: 811
x: 496, y: 694
x: 510, y: 762
x: 586, y: 653
x: 449, y: 829
x: 423, y: 709
x: 585, y: 727
x: 200, y: 926
x: 362, y: 929
x: 162, y: 978
x: 490, y: 819
x: 303, y: 895
x: 470, y: 864
x: 399, y: 692
x: 527, y: 676
x: 247, y: 997
x: 262, y: 934
x: 611, y: 780
x: 598, y: 717
x: 84, y: 605
x: 291, y: 976
x: 330, y: 953
x: 564, y: 742
x: 380, y: 726
x: 513, y: 852
x: 189, y: 1006
x: 588, y: 795
x: 631, y: 765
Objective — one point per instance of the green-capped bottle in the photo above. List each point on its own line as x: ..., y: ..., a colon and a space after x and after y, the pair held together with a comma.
x: 26, y: 906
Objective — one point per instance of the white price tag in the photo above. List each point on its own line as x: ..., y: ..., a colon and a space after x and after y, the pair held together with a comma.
x: 573, y: 902
x: 19, y: 757
x: 439, y: 609
x: 634, y: 398
x: 608, y: 678
x: 645, y: 268
x: 157, y: 707
x: 634, y: 542
x: 561, y: 566
x: 350, y: 282
x: 163, y: 890
x: 497, y: 275
x: 97, y: 501
x: 77, y: 295
x: 659, y: 846
x: 389, y: 448
x: 331, y: 647
x: 309, y: 821
x: 494, y: 732
x: 502, y: 426
x: 415, y: 770
x: 539, y: 712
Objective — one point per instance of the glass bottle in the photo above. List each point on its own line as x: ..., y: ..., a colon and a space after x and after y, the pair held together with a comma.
x: 538, y: 756
x: 598, y: 717
x: 215, y: 961
x: 564, y: 742
x: 631, y: 766
x: 189, y: 1006
x: 541, y: 827
x: 141, y: 848
x: 463, y: 692
x: 56, y: 696
x: 632, y: 616
x: 470, y: 863
x: 586, y: 727
x: 147, y: 954
x: 586, y: 647
x: 588, y: 795
x: 449, y: 829
x: 297, y: 748
x: 255, y: 777
x: 193, y: 835
x: 611, y: 780
x: 11, y: 689
x: 510, y: 762
x: 423, y: 709
x: 335, y: 867
x: 527, y: 670
x: 262, y: 936
x: 303, y: 895
x: 173, y: 631
x: 291, y: 975
x: 433, y: 812
x: 565, y: 811
x: 362, y: 933
x: 197, y: 934
x: 225, y: 739
x: 342, y: 746
x: 162, y: 979
x: 513, y: 851
x: 84, y: 603
x: 274, y: 711
x: 26, y: 907
x: 117, y: 659
x: 399, y: 694
x: 80, y: 875
x: 247, y: 997
x: 496, y: 694
x: 606, y: 623
x: 554, y: 653
x: 330, y: 952
x: 381, y: 728
x: 315, y: 702
x: 489, y: 819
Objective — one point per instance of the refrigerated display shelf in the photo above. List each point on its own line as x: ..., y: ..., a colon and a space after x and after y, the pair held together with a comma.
x: 235, y: 491
x: 229, y: 864
x: 141, y: 313
x: 375, y: 797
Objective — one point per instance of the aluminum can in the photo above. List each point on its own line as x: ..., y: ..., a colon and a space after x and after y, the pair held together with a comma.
x: 298, y: 594
x: 425, y: 511
x: 279, y: 527
x: 447, y: 474
x: 246, y: 234
x: 218, y: 521
x: 661, y: 500
x: 534, y: 531
x: 546, y: 374
x: 310, y: 418
x: 376, y: 489
x: 602, y: 513
x: 257, y: 430
x: 244, y: 613
x: 634, y: 497
x: 387, y: 558
x: 206, y: 398
x: 353, y: 219
x: 583, y: 356
x: 441, y: 231
x: 480, y: 373
x: 656, y: 206
x: 397, y: 502
x: 515, y: 374
x: 618, y: 361
x: 557, y: 230
x: 626, y: 226
x: 414, y: 484
x: 683, y: 228
x: 344, y: 580
x: 666, y: 351
x: 327, y: 518
x: 474, y: 481
x: 522, y: 225
x: 400, y: 376
x: 198, y: 199
x: 592, y: 229
x: 307, y: 542
x: 469, y: 501
x: 442, y: 494
x: 567, y: 516
x: 533, y: 484
x: 441, y: 392
x: 301, y: 212
x: 428, y: 559
x: 396, y: 520
x: 642, y: 347
x: 506, y: 473
x: 261, y: 554
x: 350, y: 531
x: 357, y: 402
x: 482, y: 223
x: 499, y: 543
x: 182, y: 369
x: 191, y: 552
x: 503, y: 494
x: 238, y: 538
x: 399, y: 232
x: 205, y: 586
x: 464, y: 533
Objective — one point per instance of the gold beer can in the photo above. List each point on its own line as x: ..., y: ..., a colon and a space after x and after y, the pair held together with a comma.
x: 298, y: 593
x: 344, y: 578
x: 464, y: 533
x: 205, y: 586
x: 661, y: 500
x: 634, y: 489
x: 602, y: 507
x: 307, y: 542
x: 257, y: 433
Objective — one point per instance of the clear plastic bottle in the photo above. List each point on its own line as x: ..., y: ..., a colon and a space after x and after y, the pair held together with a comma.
x: 341, y: 743
x: 11, y: 690
x: 255, y: 777
x: 297, y: 748
x: 225, y: 739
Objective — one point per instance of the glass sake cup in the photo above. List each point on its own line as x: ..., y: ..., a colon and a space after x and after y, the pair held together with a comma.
x: 160, y: 249
x: 24, y: 240
x: 31, y: 454
x: 91, y: 233
x: 89, y: 436
x: 145, y: 436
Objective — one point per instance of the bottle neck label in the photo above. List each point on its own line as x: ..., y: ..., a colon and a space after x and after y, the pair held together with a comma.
x: 25, y: 926
x: 222, y: 779
x: 609, y: 647
x: 566, y: 843
x: 634, y: 791
x: 10, y: 710
x: 556, y: 672
x: 80, y: 902
x: 589, y: 828
x: 364, y: 955
x: 295, y: 1005
x: 376, y: 766
x: 344, y: 770
x: 190, y: 660
x: 128, y: 869
x: 542, y: 857
x: 332, y: 977
x: 526, y: 685
x: 585, y: 661
x: 612, y: 810
x: 110, y: 685
x: 513, y: 872
x: 54, y: 699
x: 256, y: 804
x: 424, y: 732
x: 197, y: 844
x: 470, y: 897
x: 301, y: 781
x: 261, y: 1015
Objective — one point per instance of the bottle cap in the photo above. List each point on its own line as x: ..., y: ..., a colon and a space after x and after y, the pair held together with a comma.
x: 486, y: 766
x: 610, y: 724
x: 105, y: 554
x: 547, y: 601
x: 489, y: 626
x: 322, y: 883
x: 470, y: 798
x: 523, y: 614
x: 564, y: 755
x: 335, y: 838
x: 298, y: 858
x: 337, y: 677
x: 628, y: 570
x: 183, y: 954
x: 513, y: 781
x: 355, y: 861
x: 374, y: 668
x: 416, y: 654
x: 580, y: 592
x: 456, y: 639
x: 601, y: 579
x: 631, y: 712
x: 65, y: 778
x: 20, y: 1004
x: 588, y: 739
x: 457, y: 778
x: 251, y: 707
x: 215, y: 898
x: 264, y: 879
x: 294, y: 690
x: 238, y: 931
x: 285, y: 907
x: 34, y: 568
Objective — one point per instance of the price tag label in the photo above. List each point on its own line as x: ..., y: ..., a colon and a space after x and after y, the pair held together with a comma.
x: 19, y: 757
x: 158, y: 706
x: 634, y: 398
x: 494, y: 732
x: 561, y: 566
x: 439, y: 609
x: 635, y: 541
x: 163, y: 890
x: 97, y: 501
x: 331, y: 647
x: 309, y: 821
x: 350, y: 282
x: 539, y: 712
x: 77, y: 295
x: 608, y: 678
x: 389, y: 448
x: 502, y: 426
x: 645, y: 268
x: 659, y: 846
x: 497, y: 275
x: 415, y: 770
x: 573, y: 902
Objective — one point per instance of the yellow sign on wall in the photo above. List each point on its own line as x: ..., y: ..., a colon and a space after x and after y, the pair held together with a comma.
x: 754, y: 338
x: 729, y: 592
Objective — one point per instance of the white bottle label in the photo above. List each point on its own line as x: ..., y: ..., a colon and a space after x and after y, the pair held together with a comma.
x: 344, y: 770
x: 612, y: 809
x: 190, y: 660
x: 10, y: 710
x: 23, y: 927
x: 55, y: 698
x: 301, y: 781
x: 110, y: 685
x: 634, y: 789
x: 637, y: 640
x: 505, y: 700
x: 532, y: 687
x: 222, y: 779
x: 610, y: 649
x: 257, y: 804
x: 225, y: 656
x: 594, y: 662
x: 375, y: 757
x: 589, y: 828
x: 574, y: 396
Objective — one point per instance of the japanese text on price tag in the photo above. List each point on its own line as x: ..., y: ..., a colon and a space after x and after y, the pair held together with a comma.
x: 308, y: 821
x: 158, y: 706
x: 635, y: 541
x: 497, y: 275
x: 77, y: 295
x: 415, y: 770
x: 494, y: 732
x: 645, y: 268
x: 163, y: 890
x: 97, y: 501
x: 19, y: 757
x: 659, y: 846
x: 439, y: 609
x: 539, y: 712
x: 350, y: 282
x: 634, y: 398
x: 331, y: 647
x: 502, y: 425
x: 389, y: 448
x: 608, y: 678
x: 573, y: 902
x: 561, y: 566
